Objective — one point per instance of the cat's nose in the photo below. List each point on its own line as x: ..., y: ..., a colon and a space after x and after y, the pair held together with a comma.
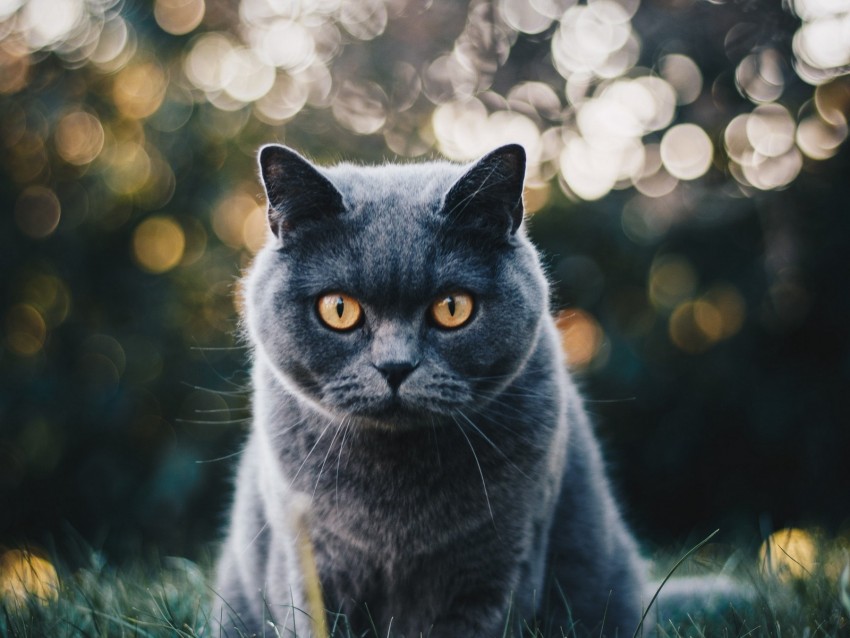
x: 396, y: 371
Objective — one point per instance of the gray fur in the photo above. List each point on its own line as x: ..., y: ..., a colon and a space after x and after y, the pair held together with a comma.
x: 442, y: 508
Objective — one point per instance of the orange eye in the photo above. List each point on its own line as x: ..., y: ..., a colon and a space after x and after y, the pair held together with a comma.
x: 452, y: 310
x: 339, y: 311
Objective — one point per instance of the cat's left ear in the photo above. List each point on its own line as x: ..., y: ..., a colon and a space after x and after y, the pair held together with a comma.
x: 297, y: 192
x: 488, y: 198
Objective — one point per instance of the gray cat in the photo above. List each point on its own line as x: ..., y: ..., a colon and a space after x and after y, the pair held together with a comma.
x: 409, y: 384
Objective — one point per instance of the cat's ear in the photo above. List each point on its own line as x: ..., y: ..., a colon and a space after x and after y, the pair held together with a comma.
x: 488, y: 198
x: 296, y: 190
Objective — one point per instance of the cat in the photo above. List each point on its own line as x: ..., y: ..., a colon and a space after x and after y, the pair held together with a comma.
x: 409, y: 385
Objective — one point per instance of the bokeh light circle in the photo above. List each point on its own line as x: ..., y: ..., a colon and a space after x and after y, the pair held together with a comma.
x: 686, y: 151
x: 158, y: 244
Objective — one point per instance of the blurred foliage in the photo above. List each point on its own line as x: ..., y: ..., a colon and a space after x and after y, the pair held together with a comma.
x: 687, y: 177
x: 798, y: 584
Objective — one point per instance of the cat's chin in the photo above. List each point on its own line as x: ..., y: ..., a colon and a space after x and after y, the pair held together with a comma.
x: 397, y: 416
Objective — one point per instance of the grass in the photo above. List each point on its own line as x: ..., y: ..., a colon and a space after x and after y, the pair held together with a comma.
x: 170, y: 597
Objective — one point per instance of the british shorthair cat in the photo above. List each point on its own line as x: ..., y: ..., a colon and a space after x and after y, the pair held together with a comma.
x: 409, y: 385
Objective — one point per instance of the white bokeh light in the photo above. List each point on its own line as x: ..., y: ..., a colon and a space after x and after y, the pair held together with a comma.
x: 686, y: 151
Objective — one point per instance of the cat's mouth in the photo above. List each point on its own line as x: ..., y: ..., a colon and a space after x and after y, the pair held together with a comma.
x: 412, y: 404
x: 394, y: 412
x: 393, y: 409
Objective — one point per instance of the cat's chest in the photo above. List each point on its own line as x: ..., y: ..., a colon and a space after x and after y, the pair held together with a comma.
x: 405, y: 508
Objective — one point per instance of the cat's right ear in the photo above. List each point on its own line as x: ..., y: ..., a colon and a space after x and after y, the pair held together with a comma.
x: 296, y: 190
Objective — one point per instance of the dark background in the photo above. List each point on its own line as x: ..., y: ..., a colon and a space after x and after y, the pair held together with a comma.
x: 123, y: 391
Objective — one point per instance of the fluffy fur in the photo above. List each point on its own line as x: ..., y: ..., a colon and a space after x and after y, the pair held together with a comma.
x: 469, y: 484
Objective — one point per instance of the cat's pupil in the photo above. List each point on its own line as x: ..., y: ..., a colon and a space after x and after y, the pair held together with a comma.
x: 450, y: 302
x: 340, y: 307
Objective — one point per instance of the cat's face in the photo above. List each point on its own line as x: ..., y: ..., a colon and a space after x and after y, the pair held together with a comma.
x: 396, y: 295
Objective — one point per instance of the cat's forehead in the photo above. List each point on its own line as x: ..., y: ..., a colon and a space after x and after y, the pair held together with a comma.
x: 401, y: 186
x: 389, y: 242
x: 393, y: 215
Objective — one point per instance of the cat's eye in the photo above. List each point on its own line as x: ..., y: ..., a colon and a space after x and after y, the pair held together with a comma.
x: 452, y: 310
x: 339, y: 311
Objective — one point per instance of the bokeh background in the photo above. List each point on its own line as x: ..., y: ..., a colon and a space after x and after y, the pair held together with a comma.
x: 689, y: 181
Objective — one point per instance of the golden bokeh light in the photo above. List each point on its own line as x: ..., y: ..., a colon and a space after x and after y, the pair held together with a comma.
x: 789, y: 554
x: 536, y: 196
x: 730, y: 308
x: 129, y: 167
x: 820, y: 139
x: 139, y: 89
x: 37, y: 212
x: 581, y: 337
x: 108, y: 347
x: 672, y: 279
x: 279, y: 58
x: 832, y: 100
x: 696, y: 325
x: 159, y: 187
x: 79, y: 138
x: 158, y: 244
x: 26, y: 330
x: 686, y: 331
x: 196, y: 241
x: 179, y: 17
x: 14, y: 68
x: 236, y: 220
x: 49, y: 295
x: 25, y: 576
x: 255, y: 229
x: 708, y: 320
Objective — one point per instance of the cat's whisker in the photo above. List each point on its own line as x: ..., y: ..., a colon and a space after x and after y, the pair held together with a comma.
x: 498, y: 420
x: 256, y: 536
x: 213, y: 422
x: 309, y: 454
x: 493, y: 445
x: 243, y: 392
x: 222, y: 410
x: 345, y: 427
x: 325, y: 460
x: 480, y: 471
x: 623, y: 400
x: 220, y: 458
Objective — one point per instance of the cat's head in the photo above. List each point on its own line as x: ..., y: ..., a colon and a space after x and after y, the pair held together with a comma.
x: 397, y: 295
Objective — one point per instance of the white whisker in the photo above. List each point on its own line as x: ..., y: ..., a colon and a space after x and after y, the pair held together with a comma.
x: 480, y: 471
